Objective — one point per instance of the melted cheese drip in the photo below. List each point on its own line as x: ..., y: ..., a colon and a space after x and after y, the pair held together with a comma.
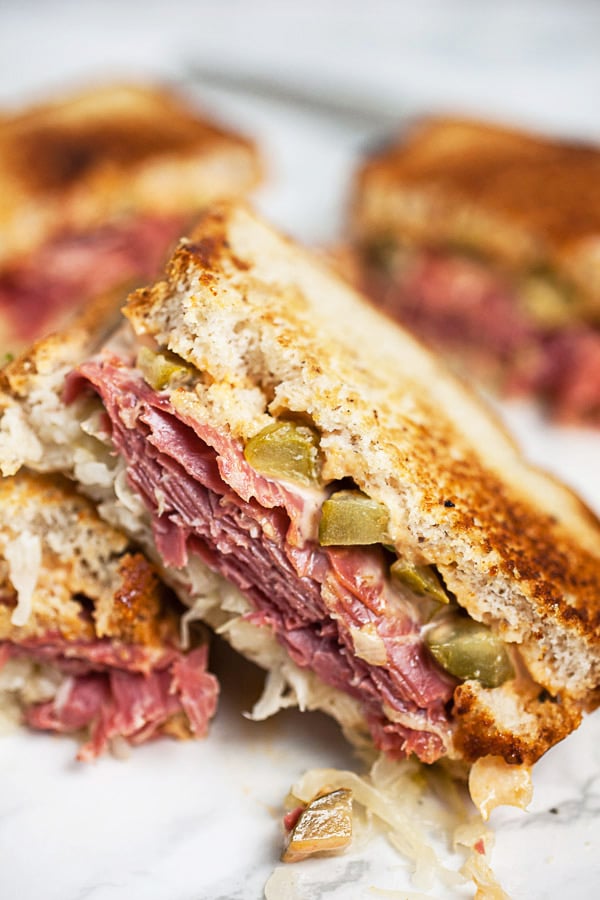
x: 493, y: 782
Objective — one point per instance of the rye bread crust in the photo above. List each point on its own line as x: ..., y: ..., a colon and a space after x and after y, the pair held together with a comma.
x: 89, y: 583
x: 274, y: 333
x: 517, y: 723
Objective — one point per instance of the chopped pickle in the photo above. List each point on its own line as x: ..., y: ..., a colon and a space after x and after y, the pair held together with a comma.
x: 324, y: 825
x: 350, y: 517
x: 421, y: 580
x: 468, y: 649
x: 547, y: 299
x: 382, y: 253
x: 163, y: 369
x: 285, y: 450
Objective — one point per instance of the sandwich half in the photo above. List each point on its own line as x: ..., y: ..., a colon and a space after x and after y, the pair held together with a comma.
x: 95, y: 189
x: 485, y: 242
x: 318, y: 488
x: 89, y: 635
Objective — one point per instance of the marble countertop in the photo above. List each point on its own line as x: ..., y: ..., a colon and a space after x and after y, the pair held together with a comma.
x: 202, y: 820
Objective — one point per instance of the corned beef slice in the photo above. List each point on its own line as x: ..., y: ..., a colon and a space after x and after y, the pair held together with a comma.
x: 205, y: 499
x: 126, y: 691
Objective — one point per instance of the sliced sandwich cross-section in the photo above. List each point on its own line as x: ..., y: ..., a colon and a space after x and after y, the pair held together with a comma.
x: 319, y: 489
x: 89, y: 636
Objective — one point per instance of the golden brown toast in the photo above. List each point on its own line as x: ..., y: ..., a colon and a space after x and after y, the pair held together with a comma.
x: 271, y: 334
x: 95, y: 191
x: 394, y: 421
x: 524, y: 202
x: 80, y: 556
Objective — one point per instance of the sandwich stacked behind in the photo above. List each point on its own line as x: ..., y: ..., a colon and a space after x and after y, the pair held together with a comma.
x: 95, y: 189
x: 485, y: 242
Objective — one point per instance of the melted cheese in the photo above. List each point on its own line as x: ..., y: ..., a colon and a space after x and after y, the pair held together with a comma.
x: 493, y: 782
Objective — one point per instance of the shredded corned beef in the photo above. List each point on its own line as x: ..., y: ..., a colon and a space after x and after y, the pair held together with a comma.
x: 73, y: 267
x: 460, y: 305
x: 119, y: 690
x: 206, y: 500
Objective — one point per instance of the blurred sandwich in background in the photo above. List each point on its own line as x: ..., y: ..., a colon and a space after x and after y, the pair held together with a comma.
x: 95, y: 189
x: 485, y: 242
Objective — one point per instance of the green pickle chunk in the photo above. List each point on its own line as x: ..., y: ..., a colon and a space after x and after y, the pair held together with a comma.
x: 421, y: 580
x: 287, y: 451
x: 163, y: 369
x: 350, y: 517
x: 468, y: 649
x: 546, y: 299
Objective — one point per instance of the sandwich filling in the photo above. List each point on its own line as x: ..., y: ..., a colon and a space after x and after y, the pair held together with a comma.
x: 111, y: 690
x: 35, y: 293
x: 333, y: 608
x: 524, y: 332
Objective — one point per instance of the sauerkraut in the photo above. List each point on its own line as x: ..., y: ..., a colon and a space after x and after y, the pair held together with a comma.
x: 417, y: 808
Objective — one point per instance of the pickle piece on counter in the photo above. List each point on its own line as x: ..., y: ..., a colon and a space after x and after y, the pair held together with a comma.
x: 162, y: 369
x: 287, y: 451
x: 349, y: 518
x: 421, y: 580
x: 324, y: 825
x: 468, y: 649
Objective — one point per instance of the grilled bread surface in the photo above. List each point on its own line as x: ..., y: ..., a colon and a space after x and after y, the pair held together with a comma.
x: 277, y: 334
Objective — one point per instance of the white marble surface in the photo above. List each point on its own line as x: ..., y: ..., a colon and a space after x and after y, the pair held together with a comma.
x: 201, y: 820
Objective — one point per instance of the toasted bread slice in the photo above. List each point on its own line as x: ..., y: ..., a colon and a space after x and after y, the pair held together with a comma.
x: 278, y: 334
x: 524, y: 202
x: 81, y: 562
x: 482, y: 241
x: 112, y: 151
x: 269, y: 334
